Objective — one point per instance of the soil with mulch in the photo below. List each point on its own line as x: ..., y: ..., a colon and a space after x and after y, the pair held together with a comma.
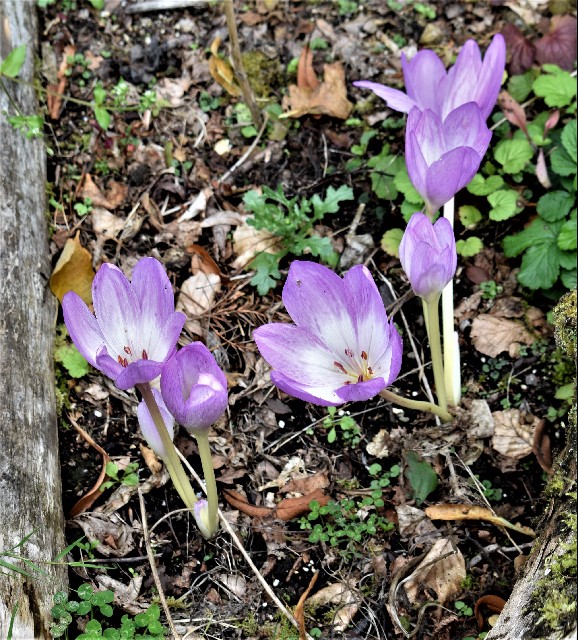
x: 140, y: 176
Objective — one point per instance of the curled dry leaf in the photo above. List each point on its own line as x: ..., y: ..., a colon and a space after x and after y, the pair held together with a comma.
x: 329, y: 98
x: 248, y: 242
x: 514, y: 433
x: 222, y: 71
x: 196, y: 298
x: 443, y: 569
x: 379, y: 445
x: 513, y: 111
x: 54, y: 92
x: 495, y: 604
x: 125, y: 595
x: 105, y: 223
x: 299, y: 609
x: 73, y: 271
x: 472, y: 512
x: 287, y: 509
x: 343, y: 597
x: 113, y: 536
x: 413, y: 521
x: 491, y: 335
x: 114, y: 197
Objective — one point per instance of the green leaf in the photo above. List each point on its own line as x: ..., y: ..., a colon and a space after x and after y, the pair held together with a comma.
x: 520, y: 87
x: 111, y: 470
x: 383, y: 186
x: 558, y: 89
x: 469, y: 216
x: 470, y: 247
x: 504, y: 204
x: 513, y: 154
x: 12, y: 64
x: 540, y: 266
x: 404, y: 184
x: 480, y: 186
x: 562, y: 163
x: 568, y: 277
x: 102, y: 116
x: 568, y: 138
x: 330, y: 204
x: 567, y: 259
x: 567, y: 236
x: 267, y: 266
x: 555, y: 205
x: 391, y: 240
x: 421, y: 476
x: 537, y: 232
x: 72, y: 360
x: 565, y: 392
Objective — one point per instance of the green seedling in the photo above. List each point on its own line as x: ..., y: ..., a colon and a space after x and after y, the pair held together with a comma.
x: 127, y: 476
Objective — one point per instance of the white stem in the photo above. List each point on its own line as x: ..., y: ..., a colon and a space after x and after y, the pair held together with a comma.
x: 452, y: 374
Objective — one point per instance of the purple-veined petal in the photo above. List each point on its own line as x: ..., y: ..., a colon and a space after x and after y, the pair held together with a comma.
x: 462, y: 82
x: 168, y: 337
x: 429, y: 134
x: 395, y: 99
x: 108, y: 365
x: 423, y: 75
x: 361, y: 391
x: 466, y: 127
x: 415, y: 162
x: 148, y: 427
x: 137, y: 373
x: 117, y: 311
x: 82, y: 326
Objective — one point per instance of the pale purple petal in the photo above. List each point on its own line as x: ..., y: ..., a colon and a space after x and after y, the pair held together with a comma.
x: 466, y: 127
x: 148, y: 427
x: 428, y: 130
x: 194, y: 388
x: 491, y: 75
x: 138, y: 372
x: 321, y: 395
x: 415, y: 163
x: 117, y: 310
x: 395, y: 99
x: 423, y: 75
x: 168, y: 337
x: 361, y: 391
x: 108, y: 365
x: 462, y: 82
x: 82, y: 326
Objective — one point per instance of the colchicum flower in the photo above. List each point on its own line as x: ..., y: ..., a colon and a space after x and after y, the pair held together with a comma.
x: 194, y: 388
x: 430, y: 86
x: 427, y: 253
x: 443, y: 156
x: 342, y: 346
x: 136, y: 328
x: 148, y: 427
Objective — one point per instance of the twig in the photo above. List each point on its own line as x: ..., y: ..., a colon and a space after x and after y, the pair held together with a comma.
x: 151, y: 557
x: 244, y: 553
x: 247, y: 153
x: 246, y: 89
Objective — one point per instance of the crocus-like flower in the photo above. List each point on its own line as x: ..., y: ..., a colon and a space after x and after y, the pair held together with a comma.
x: 136, y: 327
x: 428, y: 255
x: 148, y: 427
x: 342, y: 346
x: 442, y: 157
x: 201, y: 515
x: 430, y: 86
x: 194, y: 388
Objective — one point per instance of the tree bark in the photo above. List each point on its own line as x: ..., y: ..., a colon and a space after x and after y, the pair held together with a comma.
x: 521, y: 617
x: 30, y: 487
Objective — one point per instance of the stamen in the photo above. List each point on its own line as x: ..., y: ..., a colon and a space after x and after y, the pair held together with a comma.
x: 370, y: 371
x: 145, y: 355
x: 122, y: 361
x: 360, y: 378
x: 340, y: 367
x: 363, y: 355
x: 128, y: 351
x: 349, y: 353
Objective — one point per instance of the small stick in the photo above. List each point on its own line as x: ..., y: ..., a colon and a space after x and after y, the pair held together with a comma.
x: 248, y: 152
x: 246, y: 89
x: 151, y: 557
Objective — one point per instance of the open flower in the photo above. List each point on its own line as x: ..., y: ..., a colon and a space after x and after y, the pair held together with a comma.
x: 148, y: 427
x: 136, y: 327
x: 430, y: 86
x: 428, y: 255
x: 194, y: 388
x: 442, y: 157
x: 342, y: 346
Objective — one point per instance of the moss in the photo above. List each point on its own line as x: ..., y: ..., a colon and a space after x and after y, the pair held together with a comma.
x: 262, y: 73
x: 565, y: 323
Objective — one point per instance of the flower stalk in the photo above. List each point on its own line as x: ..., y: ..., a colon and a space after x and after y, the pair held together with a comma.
x: 432, y: 323
x: 210, y: 482
x: 417, y: 405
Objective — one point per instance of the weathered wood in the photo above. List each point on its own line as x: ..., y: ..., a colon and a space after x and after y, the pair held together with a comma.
x: 30, y: 490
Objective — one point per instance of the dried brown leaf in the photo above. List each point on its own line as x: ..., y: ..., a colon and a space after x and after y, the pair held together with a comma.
x: 306, y: 76
x: 73, y: 271
x: 344, y: 598
x: 514, y: 433
x: 492, y: 335
x: 248, y: 242
x: 472, y: 512
x: 114, y: 197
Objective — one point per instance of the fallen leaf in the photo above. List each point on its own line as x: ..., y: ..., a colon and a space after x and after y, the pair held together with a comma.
x: 221, y: 71
x: 329, y: 98
x: 306, y: 76
x: 294, y: 468
x: 514, y: 433
x: 114, y: 197
x: 299, y: 612
x: 344, y: 599
x: 113, y: 536
x: 413, y: 521
x: 472, y: 512
x: 492, y: 335
x: 105, y: 223
x: 196, y: 298
x: 306, y: 485
x: 150, y: 458
x: 201, y: 260
x: 287, y: 509
x: 444, y: 576
x: 54, y: 92
x: 73, y: 271
x: 198, y: 205
x: 495, y: 604
x: 125, y: 595
x: 248, y: 242
x: 542, y: 448
x: 379, y: 445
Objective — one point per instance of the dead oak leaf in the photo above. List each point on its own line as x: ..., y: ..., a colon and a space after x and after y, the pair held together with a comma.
x: 329, y: 98
x: 513, y: 434
x: 114, y: 197
x: 73, y: 271
x: 492, y: 335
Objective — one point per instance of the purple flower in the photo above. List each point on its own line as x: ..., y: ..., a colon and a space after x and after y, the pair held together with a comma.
x: 201, y: 515
x: 428, y: 255
x: 194, y: 388
x: 342, y: 346
x: 135, y: 329
x: 148, y: 427
x: 442, y: 157
x: 430, y: 86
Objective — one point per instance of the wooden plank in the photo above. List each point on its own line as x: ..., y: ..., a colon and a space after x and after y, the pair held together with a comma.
x: 30, y: 490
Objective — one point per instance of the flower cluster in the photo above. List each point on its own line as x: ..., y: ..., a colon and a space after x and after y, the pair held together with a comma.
x: 132, y: 338
x: 446, y: 133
